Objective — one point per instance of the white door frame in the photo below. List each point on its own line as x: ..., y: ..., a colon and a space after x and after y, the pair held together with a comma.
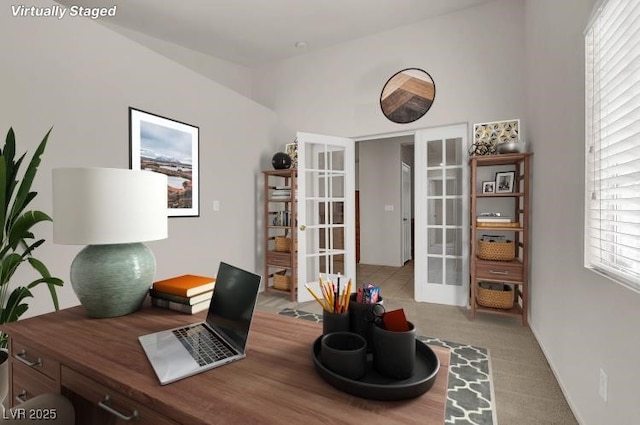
x: 405, y: 200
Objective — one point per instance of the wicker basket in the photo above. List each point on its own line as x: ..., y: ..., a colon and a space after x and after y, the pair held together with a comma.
x: 499, y: 251
x: 281, y: 281
x: 283, y: 244
x: 502, y: 298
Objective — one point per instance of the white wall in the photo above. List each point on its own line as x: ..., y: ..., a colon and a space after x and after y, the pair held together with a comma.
x: 583, y: 321
x: 475, y: 57
x: 380, y: 187
x: 81, y: 77
x: 235, y: 77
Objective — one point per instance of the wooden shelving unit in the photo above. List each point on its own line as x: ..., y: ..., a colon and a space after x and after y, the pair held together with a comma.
x: 513, y: 273
x: 280, y: 218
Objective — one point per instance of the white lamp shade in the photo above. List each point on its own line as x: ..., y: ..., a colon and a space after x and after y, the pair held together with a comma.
x: 95, y: 206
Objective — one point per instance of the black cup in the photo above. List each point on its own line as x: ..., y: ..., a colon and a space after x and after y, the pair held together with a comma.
x: 334, y: 322
x: 344, y: 353
x: 361, y: 318
x: 394, y: 353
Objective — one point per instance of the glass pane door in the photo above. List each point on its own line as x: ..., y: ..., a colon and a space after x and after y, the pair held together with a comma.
x: 326, y: 210
x: 441, y: 224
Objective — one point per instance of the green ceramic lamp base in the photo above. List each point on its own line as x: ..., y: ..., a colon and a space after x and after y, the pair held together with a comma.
x: 112, y: 280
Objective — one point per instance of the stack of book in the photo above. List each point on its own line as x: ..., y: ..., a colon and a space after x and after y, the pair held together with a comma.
x: 188, y: 293
x: 493, y: 219
x: 281, y: 192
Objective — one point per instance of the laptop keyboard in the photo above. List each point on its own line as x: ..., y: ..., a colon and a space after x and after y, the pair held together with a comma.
x: 203, y: 346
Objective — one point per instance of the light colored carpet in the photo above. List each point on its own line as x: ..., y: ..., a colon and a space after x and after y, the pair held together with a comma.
x: 526, y: 392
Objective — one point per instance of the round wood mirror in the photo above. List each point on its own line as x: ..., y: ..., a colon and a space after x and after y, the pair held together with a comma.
x: 407, y: 95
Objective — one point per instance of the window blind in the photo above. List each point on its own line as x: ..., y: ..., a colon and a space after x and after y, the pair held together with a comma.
x: 612, y: 116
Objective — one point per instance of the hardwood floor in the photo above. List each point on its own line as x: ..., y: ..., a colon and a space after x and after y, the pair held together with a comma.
x: 526, y: 391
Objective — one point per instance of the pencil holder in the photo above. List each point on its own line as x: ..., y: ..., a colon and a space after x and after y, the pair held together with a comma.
x: 334, y: 322
x: 344, y: 353
x: 360, y: 315
x: 394, y: 353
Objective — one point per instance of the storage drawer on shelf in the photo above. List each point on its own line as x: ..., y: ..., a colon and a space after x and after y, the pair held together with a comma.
x: 282, y: 259
x: 26, y: 383
x: 35, y: 360
x: 511, y: 271
x: 101, y: 404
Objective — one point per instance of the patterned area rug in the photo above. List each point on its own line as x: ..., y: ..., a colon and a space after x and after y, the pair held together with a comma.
x: 470, y: 391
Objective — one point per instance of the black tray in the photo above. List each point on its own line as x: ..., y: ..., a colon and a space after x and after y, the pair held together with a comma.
x: 378, y: 387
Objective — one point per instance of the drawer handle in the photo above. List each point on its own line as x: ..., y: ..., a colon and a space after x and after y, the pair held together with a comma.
x: 505, y: 272
x: 22, y: 356
x: 22, y: 397
x: 105, y: 405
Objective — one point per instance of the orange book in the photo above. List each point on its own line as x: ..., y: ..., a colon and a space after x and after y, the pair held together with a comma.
x: 186, y: 286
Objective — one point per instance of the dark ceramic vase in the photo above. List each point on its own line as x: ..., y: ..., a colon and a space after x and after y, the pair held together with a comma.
x: 281, y: 161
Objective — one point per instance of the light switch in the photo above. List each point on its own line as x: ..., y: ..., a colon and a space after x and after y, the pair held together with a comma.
x: 388, y: 207
x: 216, y: 205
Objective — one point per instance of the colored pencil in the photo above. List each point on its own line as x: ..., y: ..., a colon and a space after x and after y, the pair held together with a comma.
x: 347, y: 294
x: 316, y: 297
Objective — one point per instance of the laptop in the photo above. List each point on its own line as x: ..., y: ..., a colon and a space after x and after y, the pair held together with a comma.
x: 221, y: 339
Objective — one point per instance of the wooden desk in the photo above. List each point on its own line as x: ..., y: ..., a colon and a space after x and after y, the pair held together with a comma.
x: 87, y: 359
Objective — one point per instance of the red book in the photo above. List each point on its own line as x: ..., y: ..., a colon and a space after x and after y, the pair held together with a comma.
x: 186, y: 285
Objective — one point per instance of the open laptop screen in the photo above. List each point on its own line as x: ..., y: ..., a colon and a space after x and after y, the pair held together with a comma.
x: 232, y: 304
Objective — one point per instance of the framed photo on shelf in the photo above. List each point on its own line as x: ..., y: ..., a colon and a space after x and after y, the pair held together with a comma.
x: 169, y: 147
x: 504, y: 181
x: 488, y: 187
x: 291, y: 149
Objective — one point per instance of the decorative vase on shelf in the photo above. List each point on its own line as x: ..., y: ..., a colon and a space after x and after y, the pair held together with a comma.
x: 281, y: 161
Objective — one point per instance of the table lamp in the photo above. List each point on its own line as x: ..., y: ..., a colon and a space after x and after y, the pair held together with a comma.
x: 112, y: 211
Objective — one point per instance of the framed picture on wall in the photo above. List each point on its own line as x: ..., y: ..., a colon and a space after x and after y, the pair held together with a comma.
x: 169, y: 147
x: 488, y: 187
x: 504, y: 181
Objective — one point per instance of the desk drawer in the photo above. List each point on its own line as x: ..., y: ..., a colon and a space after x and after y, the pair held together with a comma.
x: 511, y: 271
x: 27, y: 383
x: 35, y: 360
x: 101, y: 404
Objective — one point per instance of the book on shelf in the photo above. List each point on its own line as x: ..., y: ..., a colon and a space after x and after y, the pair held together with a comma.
x: 494, y: 238
x: 184, y: 308
x: 493, y: 218
x: 282, y: 218
x: 186, y: 285
x: 281, y: 193
x: 494, y: 224
x: 195, y: 299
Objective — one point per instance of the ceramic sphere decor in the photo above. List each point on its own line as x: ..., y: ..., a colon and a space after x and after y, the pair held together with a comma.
x: 281, y: 161
x: 407, y: 95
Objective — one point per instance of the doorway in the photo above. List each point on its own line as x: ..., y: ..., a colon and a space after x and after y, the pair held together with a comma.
x: 440, y: 274
x: 384, y: 234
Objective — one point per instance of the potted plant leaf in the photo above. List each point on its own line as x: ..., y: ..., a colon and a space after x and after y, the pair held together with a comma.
x: 17, y: 241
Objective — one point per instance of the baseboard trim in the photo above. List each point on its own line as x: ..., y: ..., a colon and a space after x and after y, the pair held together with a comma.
x: 572, y: 406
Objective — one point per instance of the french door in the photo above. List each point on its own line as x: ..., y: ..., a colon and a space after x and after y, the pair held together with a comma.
x: 326, y: 211
x: 406, y: 212
x: 442, y: 222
